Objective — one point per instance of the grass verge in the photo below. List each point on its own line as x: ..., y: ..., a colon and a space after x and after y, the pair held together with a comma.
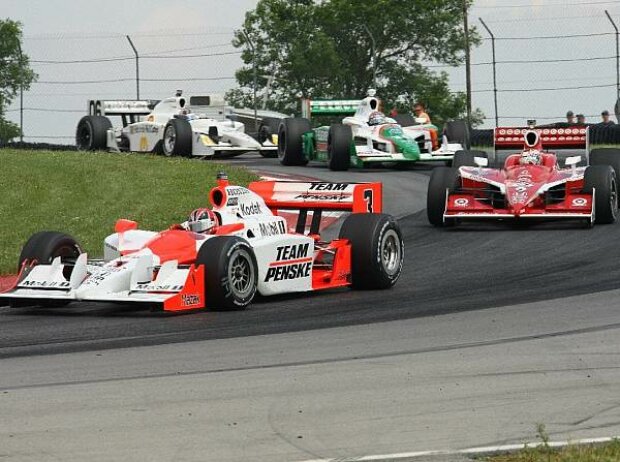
x: 600, y: 452
x: 83, y: 194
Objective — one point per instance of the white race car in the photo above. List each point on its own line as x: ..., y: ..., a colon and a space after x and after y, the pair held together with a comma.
x: 364, y: 137
x: 201, y: 126
x: 222, y: 256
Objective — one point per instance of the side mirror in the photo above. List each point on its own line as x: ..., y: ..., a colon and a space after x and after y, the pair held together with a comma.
x: 123, y: 225
x: 573, y: 160
x: 481, y: 161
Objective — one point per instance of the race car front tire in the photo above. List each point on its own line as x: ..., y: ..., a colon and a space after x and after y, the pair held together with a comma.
x: 466, y: 158
x: 339, y: 141
x: 177, y: 138
x: 602, y: 180
x: 443, y: 180
x: 290, y: 141
x: 377, y: 250
x: 231, y: 272
x: 606, y: 156
x: 43, y: 247
x: 91, y: 133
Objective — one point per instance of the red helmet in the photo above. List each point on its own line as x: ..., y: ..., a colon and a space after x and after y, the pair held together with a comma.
x: 202, y: 221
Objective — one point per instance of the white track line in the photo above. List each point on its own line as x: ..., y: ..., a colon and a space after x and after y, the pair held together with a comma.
x: 479, y: 450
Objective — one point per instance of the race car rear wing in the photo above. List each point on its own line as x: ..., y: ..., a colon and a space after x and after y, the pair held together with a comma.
x: 124, y: 108
x: 335, y: 107
x: 318, y: 197
x: 557, y: 138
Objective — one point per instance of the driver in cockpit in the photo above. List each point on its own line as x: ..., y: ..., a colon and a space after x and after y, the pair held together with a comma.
x: 379, y: 118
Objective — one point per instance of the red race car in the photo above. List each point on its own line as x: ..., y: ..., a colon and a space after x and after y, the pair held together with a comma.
x: 530, y: 184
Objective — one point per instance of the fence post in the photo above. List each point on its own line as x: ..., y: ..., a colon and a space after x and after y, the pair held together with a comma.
x: 255, y: 83
x: 137, y: 66
x: 21, y: 99
x: 467, y: 62
x: 617, y: 54
x: 494, y: 70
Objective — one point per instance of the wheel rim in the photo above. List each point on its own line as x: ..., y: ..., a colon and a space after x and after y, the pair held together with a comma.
x: 84, y: 136
x: 391, y: 252
x: 241, y: 274
x: 170, y: 138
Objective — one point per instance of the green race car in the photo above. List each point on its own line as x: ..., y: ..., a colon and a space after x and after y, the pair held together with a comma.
x: 364, y: 137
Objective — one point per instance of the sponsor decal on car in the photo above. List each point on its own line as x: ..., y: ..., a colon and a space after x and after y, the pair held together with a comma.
x: 272, y: 229
x: 46, y: 284
x: 292, y: 262
x: 232, y: 201
x: 461, y: 202
x: 253, y: 208
x: 143, y: 129
x: 580, y: 202
x: 329, y: 186
x: 324, y: 197
x: 190, y: 300
x: 236, y: 191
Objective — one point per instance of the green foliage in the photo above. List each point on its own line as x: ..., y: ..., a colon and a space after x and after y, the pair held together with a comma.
x: 83, y: 194
x: 15, y: 73
x: 325, y: 50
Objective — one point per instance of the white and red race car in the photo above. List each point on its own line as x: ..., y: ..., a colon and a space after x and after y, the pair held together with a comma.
x: 249, y: 251
x: 531, y: 184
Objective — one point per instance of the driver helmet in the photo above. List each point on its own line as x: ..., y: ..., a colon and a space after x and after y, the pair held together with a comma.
x: 531, y: 157
x: 376, y: 118
x: 202, y: 221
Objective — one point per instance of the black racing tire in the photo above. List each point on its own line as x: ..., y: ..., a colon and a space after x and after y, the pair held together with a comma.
x: 603, y: 181
x: 177, y: 140
x: 91, y: 133
x: 339, y: 141
x: 290, y: 141
x: 377, y: 250
x: 443, y: 179
x: 457, y: 131
x: 606, y: 156
x: 42, y: 248
x: 231, y: 272
x: 466, y: 158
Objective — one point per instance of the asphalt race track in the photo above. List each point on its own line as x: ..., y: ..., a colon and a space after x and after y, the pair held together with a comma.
x: 490, y: 330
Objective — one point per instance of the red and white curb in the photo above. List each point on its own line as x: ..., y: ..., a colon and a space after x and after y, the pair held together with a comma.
x: 7, y: 282
x: 465, y: 452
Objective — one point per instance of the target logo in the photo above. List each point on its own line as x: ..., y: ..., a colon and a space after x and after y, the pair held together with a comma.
x: 461, y: 202
x: 579, y: 202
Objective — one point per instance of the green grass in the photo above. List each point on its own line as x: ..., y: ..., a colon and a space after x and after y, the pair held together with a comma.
x: 604, y: 452
x: 83, y: 194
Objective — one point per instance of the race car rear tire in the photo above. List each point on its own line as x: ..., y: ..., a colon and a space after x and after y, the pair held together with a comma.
x: 466, y: 158
x: 177, y: 139
x: 602, y: 179
x: 290, y: 141
x: 91, y: 133
x: 43, y: 247
x: 606, y: 156
x: 339, y: 141
x: 442, y: 179
x: 377, y: 250
x: 457, y: 131
x: 231, y: 272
